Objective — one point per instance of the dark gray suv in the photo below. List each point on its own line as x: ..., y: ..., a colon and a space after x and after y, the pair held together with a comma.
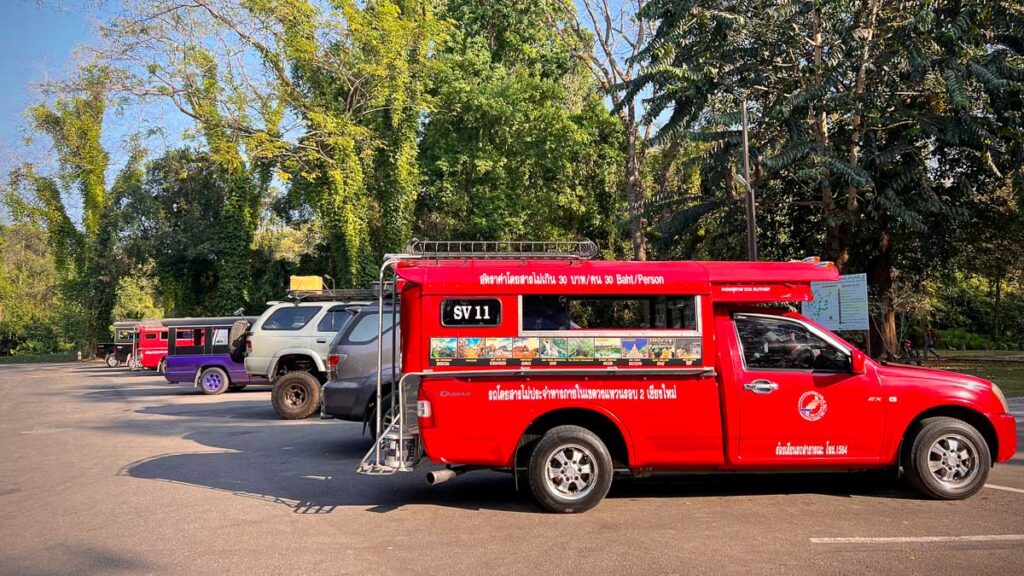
x: 351, y: 392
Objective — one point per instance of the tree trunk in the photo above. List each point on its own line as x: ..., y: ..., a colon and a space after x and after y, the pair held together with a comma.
x: 997, y: 310
x: 883, y: 325
x: 634, y: 194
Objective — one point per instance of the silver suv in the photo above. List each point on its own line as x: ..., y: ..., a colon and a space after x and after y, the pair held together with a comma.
x: 289, y: 345
x: 351, y: 392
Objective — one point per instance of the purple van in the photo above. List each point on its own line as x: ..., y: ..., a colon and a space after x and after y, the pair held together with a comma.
x: 199, y: 352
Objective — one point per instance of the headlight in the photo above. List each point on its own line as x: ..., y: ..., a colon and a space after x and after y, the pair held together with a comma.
x: 1002, y: 398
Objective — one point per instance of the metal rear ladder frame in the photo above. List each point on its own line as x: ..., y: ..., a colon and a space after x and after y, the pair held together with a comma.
x: 372, y: 463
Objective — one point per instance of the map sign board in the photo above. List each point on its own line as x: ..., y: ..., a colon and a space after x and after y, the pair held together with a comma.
x: 840, y: 305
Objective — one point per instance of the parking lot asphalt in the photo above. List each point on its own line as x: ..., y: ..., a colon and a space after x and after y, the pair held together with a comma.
x: 107, y: 471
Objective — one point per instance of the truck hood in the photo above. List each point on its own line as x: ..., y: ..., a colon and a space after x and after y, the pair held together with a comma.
x: 904, y: 372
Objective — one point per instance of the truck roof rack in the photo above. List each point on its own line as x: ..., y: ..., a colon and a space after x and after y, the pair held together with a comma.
x: 503, y: 249
x: 340, y: 294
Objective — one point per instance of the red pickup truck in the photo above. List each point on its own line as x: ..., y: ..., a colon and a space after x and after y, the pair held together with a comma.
x: 567, y: 370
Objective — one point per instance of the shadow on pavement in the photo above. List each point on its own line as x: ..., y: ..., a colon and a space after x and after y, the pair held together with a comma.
x: 218, y: 407
x: 309, y: 466
x: 313, y: 471
x: 73, y: 559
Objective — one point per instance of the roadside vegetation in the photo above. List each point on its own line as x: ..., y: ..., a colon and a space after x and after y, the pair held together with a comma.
x: 1002, y: 367
x: 887, y: 137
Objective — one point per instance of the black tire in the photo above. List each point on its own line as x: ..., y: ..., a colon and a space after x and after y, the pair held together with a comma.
x: 236, y: 340
x: 371, y: 415
x: 296, y: 395
x: 213, y: 381
x: 112, y: 361
x: 948, y: 459
x: 587, y: 465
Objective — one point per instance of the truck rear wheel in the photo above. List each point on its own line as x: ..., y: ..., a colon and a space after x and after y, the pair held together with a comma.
x: 112, y: 361
x: 949, y: 459
x: 213, y: 381
x: 296, y: 395
x: 570, y: 470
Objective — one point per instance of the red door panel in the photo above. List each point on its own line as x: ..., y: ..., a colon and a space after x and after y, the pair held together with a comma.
x: 799, y: 405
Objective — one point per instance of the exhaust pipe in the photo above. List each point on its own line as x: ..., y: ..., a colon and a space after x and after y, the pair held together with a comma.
x: 436, y: 477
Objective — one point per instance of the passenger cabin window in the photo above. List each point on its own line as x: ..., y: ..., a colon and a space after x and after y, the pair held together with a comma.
x: 620, y: 313
x: 290, y: 318
x: 163, y: 335
x: 780, y: 344
x: 220, y: 337
x: 151, y: 336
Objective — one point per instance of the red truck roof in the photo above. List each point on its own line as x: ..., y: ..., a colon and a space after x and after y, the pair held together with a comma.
x: 727, y: 281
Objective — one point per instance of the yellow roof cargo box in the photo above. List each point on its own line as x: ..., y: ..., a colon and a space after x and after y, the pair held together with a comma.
x: 310, y: 283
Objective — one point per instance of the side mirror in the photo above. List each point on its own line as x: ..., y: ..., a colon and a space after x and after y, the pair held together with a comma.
x: 857, y: 362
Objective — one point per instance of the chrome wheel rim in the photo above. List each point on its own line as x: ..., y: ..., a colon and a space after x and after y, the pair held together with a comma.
x: 571, y: 472
x: 953, y: 460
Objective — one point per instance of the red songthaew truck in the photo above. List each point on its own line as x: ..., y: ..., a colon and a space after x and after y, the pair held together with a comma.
x: 533, y: 358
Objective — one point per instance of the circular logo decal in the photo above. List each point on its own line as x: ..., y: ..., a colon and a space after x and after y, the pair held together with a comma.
x: 812, y: 406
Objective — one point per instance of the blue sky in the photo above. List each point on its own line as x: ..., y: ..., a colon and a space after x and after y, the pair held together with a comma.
x: 37, y: 40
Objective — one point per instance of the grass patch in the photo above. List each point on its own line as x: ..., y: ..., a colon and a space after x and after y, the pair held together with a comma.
x: 1005, y: 369
x: 39, y: 358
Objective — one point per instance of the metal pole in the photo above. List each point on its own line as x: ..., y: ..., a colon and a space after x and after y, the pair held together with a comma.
x: 751, y: 203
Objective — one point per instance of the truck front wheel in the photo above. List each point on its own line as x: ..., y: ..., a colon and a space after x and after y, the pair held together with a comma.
x: 296, y: 395
x: 112, y: 361
x: 570, y: 470
x: 949, y: 459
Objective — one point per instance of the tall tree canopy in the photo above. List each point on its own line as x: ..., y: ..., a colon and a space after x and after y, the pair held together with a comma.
x: 888, y: 118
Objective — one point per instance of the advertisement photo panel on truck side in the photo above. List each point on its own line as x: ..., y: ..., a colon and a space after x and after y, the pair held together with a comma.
x: 564, y: 369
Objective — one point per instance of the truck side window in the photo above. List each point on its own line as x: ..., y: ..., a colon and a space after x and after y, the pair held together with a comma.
x: 589, y: 312
x: 780, y: 344
x: 290, y: 318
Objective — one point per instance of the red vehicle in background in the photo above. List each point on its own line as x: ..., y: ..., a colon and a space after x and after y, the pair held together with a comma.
x: 531, y: 358
x: 151, y: 343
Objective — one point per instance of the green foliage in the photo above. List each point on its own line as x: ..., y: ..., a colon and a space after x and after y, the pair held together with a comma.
x: 29, y: 290
x: 177, y: 219
x: 885, y: 121
x: 86, y: 257
x: 135, y: 298
x: 516, y: 147
x: 961, y: 339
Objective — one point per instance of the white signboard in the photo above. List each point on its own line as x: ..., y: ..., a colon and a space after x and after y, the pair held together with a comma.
x: 841, y: 305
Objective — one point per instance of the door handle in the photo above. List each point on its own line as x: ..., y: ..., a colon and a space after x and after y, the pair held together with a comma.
x: 761, y: 386
x: 321, y: 340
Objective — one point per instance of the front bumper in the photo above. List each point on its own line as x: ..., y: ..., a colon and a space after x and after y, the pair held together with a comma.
x: 1006, y: 434
x: 346, y: 399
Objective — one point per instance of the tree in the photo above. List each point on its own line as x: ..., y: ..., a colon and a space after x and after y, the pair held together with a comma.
x: 609, y: 37
x: 518, y: 144
x: 177, y: 222
x: 347, y: 79
x: 85, y: 255
x: 887, y: 118
x: 30, y: 304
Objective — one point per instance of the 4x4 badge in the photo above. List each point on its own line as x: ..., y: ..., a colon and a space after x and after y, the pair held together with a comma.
x: 812, y: 406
